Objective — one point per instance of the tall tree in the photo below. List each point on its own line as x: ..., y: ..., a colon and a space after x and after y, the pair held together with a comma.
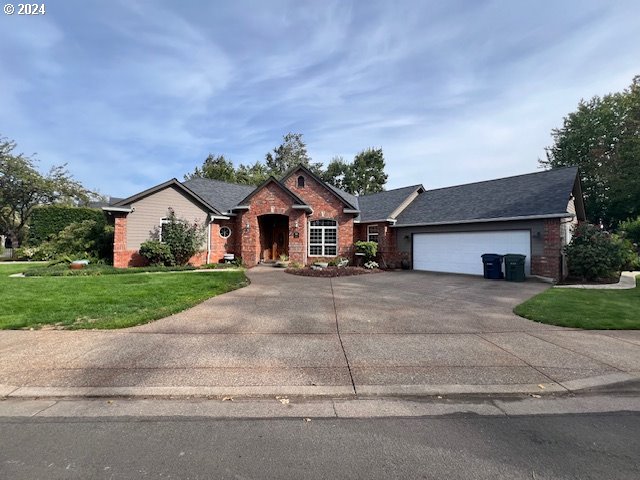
x: 336, y: 173
x: 292, y: 152
x: 23, y: 187
x: 366, y: 174
x: 602, y: 138
x: 251, y: 174
x: 215, y: 167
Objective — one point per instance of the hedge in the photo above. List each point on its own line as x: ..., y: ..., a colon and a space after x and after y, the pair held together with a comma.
x: 49, y: 220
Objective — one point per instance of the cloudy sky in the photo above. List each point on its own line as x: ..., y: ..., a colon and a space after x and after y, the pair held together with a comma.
x: 131, y: 93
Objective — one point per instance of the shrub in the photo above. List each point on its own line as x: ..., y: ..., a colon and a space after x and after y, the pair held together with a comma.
x: 370, y: 250
x: 184, y: 239
x: 157, y: 253
x: 594, y: 253
x: 50, y: 220
x: 631, y: 231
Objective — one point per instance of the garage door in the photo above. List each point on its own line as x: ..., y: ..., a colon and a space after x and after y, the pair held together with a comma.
x: 460, y: 252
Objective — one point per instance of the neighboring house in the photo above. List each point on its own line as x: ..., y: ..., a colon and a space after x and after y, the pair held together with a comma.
x: 301, y: 216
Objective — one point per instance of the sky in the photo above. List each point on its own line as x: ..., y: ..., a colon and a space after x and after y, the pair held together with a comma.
x: 132, y: 93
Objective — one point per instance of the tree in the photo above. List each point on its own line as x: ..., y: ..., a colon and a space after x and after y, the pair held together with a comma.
x: 251, y: 174
x: 366, y: 173
x: 23, y: 187
x: 292, y: 152
x: 602, y: 138
x: 336, y: 172
x: 215, y: 167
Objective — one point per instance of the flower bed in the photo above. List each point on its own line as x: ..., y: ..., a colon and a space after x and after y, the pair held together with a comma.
x: 331, y: 271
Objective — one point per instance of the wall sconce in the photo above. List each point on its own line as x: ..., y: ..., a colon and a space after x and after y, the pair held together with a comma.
x: 295, y: 225
x: 247, y: 226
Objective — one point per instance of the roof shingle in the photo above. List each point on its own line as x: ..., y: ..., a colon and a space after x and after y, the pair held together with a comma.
x: 533, y: 194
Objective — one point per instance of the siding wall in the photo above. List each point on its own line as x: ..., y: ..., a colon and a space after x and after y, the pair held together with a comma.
x: 149, y: 210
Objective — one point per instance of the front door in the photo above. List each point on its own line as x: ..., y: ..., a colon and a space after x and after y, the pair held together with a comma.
x: 274, y: 236
x: 279, y: 241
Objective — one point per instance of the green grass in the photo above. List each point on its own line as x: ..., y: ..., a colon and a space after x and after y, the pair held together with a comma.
x: 589, y: 309
x: 109, y: 301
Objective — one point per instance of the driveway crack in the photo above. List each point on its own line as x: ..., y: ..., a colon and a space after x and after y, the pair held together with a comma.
x: 344, y: 352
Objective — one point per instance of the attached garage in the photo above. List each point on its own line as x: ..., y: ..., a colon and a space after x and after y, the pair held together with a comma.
x: 460, y: 252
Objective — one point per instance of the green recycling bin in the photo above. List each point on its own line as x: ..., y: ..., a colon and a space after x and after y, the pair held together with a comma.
x: 514, y: 267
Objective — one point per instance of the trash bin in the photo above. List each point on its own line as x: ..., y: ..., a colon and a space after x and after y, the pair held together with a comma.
x: 492, y: 266
x: 514, y: 267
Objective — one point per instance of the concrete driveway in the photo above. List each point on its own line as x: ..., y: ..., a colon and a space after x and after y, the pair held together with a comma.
x: 378, y: 334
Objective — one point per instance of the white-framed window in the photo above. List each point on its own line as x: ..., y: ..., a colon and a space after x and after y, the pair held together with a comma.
x: 163, y: 222
x: 323, y: 238
x: 225, y: 232
x: 372, y: 233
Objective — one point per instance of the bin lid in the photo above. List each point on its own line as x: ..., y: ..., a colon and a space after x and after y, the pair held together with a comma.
x: 491, y: 256
x: 514, y: 256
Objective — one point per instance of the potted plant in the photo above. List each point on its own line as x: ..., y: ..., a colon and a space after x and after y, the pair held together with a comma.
x: 283, y: 261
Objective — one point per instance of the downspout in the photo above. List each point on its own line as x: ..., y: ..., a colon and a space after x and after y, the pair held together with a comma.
x: 209, y: 242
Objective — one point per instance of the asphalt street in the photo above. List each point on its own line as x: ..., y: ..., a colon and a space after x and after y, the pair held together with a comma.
x: 463, y: 445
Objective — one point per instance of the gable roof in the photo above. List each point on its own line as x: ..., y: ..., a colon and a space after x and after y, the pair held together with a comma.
x: 346, y: 198
x: 540, y: 194
x: 222, y: 195
x: 170, y: 183
x: 296, y: 199
x: 380, y: 206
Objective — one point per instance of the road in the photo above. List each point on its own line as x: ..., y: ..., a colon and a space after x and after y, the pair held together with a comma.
x: 462, y: 445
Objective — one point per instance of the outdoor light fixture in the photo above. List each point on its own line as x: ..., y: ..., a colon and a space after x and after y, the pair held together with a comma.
x: 296, y: 224
x: 247, y: 226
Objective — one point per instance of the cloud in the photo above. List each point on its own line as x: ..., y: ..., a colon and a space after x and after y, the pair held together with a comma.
x: 132, y: 93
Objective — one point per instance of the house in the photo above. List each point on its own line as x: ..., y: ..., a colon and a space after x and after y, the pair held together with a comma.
x: 299, y: 215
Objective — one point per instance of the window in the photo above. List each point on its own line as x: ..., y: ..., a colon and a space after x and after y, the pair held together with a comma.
x: 301, y: 181
x: 163, y: 222
x: 323, y: 238
x: 225, y: 232
x: 372, y: 233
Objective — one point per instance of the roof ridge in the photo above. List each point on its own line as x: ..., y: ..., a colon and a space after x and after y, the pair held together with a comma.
x: 501, y: 178
x: 219, y: 181
x: 393, y: 190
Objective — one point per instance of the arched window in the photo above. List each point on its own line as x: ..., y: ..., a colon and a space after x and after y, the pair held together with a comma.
x: 301, y: 181
x: 323, y: 238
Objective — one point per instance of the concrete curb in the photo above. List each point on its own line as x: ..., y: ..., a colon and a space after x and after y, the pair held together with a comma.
x: 627, y: 281
x: 346, y: 392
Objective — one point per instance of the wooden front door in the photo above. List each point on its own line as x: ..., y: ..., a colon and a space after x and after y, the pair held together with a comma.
x: 274, y: 237
x: 279, y: 241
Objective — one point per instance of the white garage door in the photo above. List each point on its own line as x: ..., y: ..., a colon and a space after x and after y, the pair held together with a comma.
x: 460, y: 252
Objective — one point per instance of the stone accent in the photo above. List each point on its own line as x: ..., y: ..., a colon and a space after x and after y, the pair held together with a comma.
x: 549, y: 264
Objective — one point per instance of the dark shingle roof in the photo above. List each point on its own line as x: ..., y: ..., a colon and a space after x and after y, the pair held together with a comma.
x: 380, y: 206
x: 346, y: 197
x: 533, y: 194
x: 221, y: 195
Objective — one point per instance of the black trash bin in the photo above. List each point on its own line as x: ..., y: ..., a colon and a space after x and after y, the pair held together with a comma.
x: 514, y: 267
x: 492, y: 266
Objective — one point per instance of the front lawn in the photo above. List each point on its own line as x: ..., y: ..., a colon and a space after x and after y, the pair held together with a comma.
x: 109, y: 301
x: 589, y: 309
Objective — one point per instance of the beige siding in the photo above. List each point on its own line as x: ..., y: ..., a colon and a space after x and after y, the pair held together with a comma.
x: 567, y: 225
x: 147, y: 213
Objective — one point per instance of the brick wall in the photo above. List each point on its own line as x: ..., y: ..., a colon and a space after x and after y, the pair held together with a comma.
x: 326, y: 205
x: 549, y: 263
x: 388, y: 254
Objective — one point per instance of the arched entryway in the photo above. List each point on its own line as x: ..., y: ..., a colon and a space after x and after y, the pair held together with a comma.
x: 274, y: 236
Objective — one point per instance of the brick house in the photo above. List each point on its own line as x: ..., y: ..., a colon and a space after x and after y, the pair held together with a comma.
x: 309, y: 220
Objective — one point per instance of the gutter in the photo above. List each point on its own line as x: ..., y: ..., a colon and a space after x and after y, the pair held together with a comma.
x: 350, y: 210
x: 306, y: 208
x: 487, y: 220
x: 392, y: 221
x: 118, y: 209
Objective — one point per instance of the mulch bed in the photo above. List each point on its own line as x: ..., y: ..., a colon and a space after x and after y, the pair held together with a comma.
x: 331, y: 271
x: 580, y: 281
